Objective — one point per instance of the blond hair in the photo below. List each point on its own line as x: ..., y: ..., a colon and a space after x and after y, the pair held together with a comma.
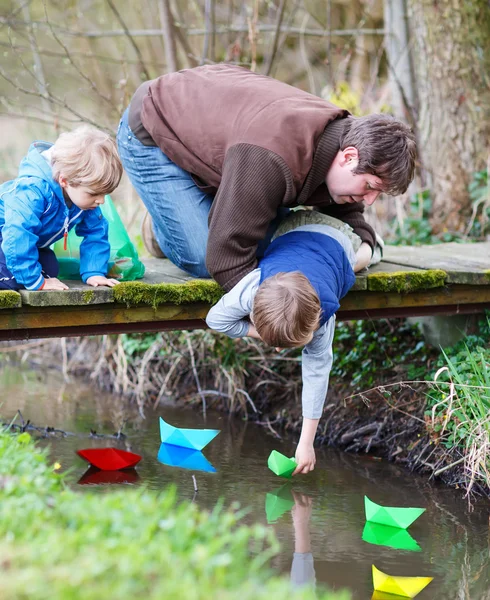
x: 87, y: 157
x: 286, y: 310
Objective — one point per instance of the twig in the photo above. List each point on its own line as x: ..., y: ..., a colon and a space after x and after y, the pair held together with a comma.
x: 272, y: 55
x: 130, y: 37
x: 167, y: 21
x: 194, y: 370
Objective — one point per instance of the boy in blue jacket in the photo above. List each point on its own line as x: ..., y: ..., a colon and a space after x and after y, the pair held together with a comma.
x: 290, y: 301
x: 59, y: 186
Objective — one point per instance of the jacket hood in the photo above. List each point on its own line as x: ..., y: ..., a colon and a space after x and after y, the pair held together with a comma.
x: 35, y: 165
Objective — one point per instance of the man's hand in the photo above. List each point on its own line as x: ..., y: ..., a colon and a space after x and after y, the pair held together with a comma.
x: 53, y: 284
x: 363, y: 256
x: 305, y: 458
x: 97, y: 280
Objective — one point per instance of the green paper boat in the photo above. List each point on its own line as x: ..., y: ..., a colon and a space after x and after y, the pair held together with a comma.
x: 394, y: 537
x: 281, y: 465
x: 389, y: 515
x: 278, y: 502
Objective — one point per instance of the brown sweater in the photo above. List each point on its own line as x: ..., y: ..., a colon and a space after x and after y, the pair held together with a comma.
x: 257, y: 143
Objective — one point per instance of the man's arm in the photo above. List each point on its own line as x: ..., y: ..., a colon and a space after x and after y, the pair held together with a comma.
x: 254, y: 184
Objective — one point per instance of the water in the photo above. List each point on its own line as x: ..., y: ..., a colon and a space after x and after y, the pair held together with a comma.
x: 322, y: 526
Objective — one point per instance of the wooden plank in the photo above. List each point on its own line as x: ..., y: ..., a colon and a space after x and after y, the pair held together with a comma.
x: 464, y: 263
x: 31, y: 317
x: 43, y: 317
x: 79, y: 294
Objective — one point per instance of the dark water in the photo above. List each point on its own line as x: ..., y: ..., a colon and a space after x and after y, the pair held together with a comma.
x: 322, y: 526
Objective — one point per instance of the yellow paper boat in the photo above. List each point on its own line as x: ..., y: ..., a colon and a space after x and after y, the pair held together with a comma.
x: 407, y: 587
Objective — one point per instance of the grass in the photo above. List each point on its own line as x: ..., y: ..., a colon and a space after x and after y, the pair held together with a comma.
x: 458, y: 412
x: 56, y: 543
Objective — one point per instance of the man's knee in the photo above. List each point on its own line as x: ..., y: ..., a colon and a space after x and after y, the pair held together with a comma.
x: 194, y: 264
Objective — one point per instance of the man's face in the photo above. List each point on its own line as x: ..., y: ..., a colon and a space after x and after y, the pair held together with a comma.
x: 346, y: 187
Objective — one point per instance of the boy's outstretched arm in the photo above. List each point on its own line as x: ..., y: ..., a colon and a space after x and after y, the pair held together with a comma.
x: 230, y: 315
x: 316, y: 364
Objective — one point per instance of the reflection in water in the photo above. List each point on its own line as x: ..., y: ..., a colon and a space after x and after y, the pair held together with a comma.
x: 278, y: 502
x: 393, y: 537
x: 454, y: 541
x: 94, y: 476
x: 302, y: 568
x: 185, y: 458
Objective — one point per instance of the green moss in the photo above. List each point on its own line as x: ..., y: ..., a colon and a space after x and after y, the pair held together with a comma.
x: 9, y: 299
x: 88, y: 296
x: 134, y: 293
x: 405, y: 282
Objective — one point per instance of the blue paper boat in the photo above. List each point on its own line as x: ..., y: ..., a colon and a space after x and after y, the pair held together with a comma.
x: 195, y: 439
x: 185, y: 458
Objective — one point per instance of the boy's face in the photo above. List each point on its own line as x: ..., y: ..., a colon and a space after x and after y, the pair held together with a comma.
x: 81, y: 196
x: 347, y: 187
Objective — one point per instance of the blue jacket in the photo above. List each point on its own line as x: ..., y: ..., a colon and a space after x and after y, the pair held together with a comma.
x: 320, y: 258
x: 34, y: 214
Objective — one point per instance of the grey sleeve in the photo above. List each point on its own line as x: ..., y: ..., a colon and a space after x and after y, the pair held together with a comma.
x: 303, y: 570
x: 317, y: 360
x: 230, y: 314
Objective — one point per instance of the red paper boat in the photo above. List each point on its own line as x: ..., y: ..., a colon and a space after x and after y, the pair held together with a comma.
x: 94, y: 476
x: 109, y: 459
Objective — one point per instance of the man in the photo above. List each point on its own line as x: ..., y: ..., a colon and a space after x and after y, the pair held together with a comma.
x: 218, y: 154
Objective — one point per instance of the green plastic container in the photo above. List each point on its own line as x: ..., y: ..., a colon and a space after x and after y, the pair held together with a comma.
x: 124, y: 263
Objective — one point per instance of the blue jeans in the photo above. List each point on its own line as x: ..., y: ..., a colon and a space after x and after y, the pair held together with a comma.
x: 178, y: 208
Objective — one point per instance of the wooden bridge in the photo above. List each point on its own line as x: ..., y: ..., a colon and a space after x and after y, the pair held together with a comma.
x: 410, y: 281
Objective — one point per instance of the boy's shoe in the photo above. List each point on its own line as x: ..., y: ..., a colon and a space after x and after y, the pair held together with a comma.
x: 148, y: 236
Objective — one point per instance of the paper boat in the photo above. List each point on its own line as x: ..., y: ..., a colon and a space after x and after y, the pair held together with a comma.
x: 281, y: 465
x: 196, y: 439
x: 109, y: 459
x: 278, y: 502
x: 94, y: 476
x: 408, y: 587
x: 394, y: 537
x: 185, y: 458
x: 389, y: 515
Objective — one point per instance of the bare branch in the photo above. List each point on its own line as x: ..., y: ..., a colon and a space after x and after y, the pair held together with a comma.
x: 272, y: 55
x: 130, y: 37
x: 74, y: 65
x: 167, y: 21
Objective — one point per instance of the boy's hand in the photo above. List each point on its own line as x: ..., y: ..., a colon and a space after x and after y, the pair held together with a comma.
x: 305, y: 457
x: 52, y: 283
x: 97, y: 280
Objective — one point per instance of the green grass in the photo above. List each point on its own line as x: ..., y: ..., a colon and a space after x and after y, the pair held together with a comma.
x: 458, y: 411
x: 132, y: 543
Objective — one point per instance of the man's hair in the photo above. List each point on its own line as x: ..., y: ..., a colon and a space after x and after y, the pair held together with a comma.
x: 286, y: 310
x: 386, y: 148
x: 87, y: 157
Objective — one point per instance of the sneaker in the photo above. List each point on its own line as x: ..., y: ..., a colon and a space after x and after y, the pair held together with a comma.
x: 148, y: 236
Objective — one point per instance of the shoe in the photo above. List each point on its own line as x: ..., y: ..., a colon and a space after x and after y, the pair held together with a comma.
x: 148, y: 236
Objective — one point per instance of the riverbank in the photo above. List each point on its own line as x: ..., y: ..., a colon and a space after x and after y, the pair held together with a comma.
x: 382, y: 401
x: 132, y: 543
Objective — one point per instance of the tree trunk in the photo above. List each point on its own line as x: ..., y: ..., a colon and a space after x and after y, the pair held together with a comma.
x: 451, y: 49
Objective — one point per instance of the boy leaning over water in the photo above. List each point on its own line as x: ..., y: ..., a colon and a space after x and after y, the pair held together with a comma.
x: 59, y: 186
x: 290, y: 301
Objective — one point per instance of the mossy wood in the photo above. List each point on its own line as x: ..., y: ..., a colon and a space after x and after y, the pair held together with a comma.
x: 443, y: 279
